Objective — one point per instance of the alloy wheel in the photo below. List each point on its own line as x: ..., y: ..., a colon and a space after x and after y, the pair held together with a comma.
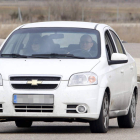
x: 106, y: 112
x: 133, y: 109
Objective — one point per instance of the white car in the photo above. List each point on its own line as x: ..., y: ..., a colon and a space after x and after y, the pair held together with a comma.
x: 67, y: 71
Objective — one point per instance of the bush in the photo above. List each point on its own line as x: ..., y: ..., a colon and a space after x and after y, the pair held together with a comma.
x: 41, y: 17
x: 14, y: 15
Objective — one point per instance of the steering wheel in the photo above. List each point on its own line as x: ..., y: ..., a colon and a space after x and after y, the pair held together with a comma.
x: 81, y: 52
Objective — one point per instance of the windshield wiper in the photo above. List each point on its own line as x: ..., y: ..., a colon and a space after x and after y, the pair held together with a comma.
x: 14, y: 55
x: 56, y: 55
x: 52, y: 55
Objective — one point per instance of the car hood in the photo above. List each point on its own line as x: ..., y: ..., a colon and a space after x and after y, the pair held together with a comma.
x: 63, y: 67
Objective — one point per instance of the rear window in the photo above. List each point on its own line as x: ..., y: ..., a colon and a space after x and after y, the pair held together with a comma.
x: 60, y: 42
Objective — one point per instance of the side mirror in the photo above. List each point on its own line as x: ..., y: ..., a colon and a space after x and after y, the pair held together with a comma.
x: 118, y: 58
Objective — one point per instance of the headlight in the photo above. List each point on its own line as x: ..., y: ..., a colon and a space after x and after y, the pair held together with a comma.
x: 83, y: 79
x: 1, y: 80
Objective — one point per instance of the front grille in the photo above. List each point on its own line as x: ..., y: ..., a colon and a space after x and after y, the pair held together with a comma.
x: 34, y: 81
x: 40, y: 78
x: 71, y: 109
x: 34, y: 109
x: 72, y: 106
x: 39, y: 86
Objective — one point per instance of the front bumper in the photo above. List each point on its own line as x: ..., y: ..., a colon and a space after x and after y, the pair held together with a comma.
x: 90, y: 96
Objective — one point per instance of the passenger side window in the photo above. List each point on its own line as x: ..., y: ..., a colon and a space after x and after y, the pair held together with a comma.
x: 110, y: 48
x: 117, y: 42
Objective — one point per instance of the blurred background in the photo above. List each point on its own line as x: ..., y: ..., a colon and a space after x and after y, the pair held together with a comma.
x: 121, y: 15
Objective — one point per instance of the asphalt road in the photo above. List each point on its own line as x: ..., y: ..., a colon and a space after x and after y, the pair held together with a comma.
x: 69, y: 131
x: 133, y: 49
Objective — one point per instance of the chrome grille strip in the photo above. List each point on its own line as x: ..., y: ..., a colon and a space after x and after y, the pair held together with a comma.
x: 43, y: 82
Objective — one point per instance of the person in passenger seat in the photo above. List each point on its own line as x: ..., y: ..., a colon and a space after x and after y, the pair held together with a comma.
x: 33, y: 46
x: 36, y: 45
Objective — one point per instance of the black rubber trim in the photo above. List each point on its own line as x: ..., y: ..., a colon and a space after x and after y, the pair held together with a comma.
x: 117, y: 62
x: 96, y: 26
x: 22, y: 26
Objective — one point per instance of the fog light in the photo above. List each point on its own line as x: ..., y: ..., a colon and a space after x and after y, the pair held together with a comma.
x: 81, y: 109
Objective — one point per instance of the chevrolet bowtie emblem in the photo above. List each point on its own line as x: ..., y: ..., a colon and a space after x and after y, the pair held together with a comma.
x: 34, y: 82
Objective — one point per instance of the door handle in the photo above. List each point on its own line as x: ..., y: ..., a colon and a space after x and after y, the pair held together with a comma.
x: 131, y: 67
x: 122, y: 71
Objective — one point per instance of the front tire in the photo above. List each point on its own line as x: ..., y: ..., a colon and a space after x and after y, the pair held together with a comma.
x: 23, y: 123
x: 101, y: 125
x: 128, y: 121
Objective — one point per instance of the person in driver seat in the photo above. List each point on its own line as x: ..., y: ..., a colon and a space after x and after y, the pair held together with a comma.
x: 86, y: 43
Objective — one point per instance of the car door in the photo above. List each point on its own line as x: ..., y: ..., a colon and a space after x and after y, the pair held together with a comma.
x: 127, y: 69
x: 115, y: 76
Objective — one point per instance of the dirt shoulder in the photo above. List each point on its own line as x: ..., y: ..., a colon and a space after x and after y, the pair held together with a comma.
x: 1, y: 40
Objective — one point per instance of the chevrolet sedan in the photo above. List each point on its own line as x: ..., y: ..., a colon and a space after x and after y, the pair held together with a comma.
x: 67, y: 71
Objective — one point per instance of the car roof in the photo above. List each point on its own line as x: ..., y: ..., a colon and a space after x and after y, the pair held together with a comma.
x: 72, y: 24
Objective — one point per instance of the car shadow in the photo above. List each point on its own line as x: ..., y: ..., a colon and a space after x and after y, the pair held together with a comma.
x: 53, y: 129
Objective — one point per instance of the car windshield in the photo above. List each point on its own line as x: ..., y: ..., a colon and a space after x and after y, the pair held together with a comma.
x: 77, y: 43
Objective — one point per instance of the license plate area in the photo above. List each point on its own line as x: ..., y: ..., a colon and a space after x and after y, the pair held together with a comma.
x: 33, y: 99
